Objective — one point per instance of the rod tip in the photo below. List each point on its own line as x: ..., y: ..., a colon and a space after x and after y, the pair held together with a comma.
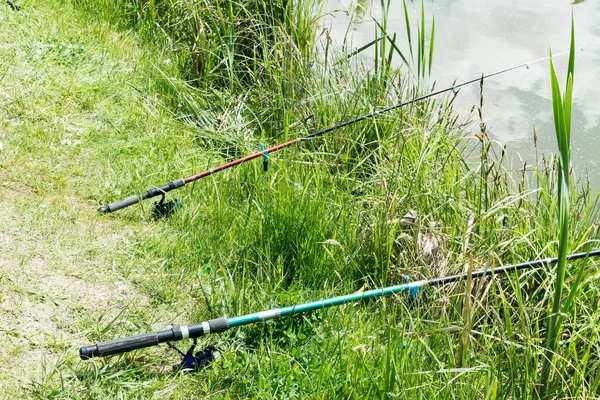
x: 104, y: 210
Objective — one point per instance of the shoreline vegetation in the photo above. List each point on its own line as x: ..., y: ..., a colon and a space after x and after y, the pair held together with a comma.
x: 414, y: 192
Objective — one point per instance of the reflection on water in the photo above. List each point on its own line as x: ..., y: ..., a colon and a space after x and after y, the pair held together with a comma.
x: 475, y: 37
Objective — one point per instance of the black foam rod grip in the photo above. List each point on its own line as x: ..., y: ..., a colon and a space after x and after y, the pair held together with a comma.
x: 117, y: 346
x: 117, y: 205
x: 218, y: 325
x: 161, y: 190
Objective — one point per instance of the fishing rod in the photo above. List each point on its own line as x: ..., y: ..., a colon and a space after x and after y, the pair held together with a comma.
x: 217, y: 325
x: 13, y: 5
x: 162, y: 207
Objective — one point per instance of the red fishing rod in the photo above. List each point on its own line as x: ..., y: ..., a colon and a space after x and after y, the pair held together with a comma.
x: 161, y: 190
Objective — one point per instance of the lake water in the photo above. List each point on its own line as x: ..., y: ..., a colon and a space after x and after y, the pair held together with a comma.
x: 477, y: 36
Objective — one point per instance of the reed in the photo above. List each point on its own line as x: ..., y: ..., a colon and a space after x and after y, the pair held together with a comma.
x: 562, y: 106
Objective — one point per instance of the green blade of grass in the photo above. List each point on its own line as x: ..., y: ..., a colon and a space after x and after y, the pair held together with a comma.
x: 408, y: 35
x: 431, y: 44
x: 363, y: 48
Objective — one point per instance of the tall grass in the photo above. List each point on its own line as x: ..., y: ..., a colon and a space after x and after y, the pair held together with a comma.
x: 562, y: 120
x: 226, y: 45
x: 420, y: 55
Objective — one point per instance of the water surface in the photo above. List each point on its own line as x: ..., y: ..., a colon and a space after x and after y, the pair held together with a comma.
x: 474, y: 37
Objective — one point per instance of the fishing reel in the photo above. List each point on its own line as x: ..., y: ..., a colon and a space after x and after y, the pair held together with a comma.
x: 163, y: 209
x: 193, y: 362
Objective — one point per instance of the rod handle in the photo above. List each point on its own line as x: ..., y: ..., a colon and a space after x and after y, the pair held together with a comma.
x: 117, y: 346
x: 131, y: 200
x: 117, y: 205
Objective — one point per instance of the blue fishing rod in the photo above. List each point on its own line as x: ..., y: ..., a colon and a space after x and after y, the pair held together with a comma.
x: 218, y: 325
x: 163, y: 208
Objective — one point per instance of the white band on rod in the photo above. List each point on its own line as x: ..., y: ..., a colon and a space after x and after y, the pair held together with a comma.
x: 185, y: 332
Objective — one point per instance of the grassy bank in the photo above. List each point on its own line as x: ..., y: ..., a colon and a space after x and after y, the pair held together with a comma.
x: 152, y: 93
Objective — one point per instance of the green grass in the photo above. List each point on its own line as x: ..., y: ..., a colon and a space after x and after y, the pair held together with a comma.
x: 323, y: 221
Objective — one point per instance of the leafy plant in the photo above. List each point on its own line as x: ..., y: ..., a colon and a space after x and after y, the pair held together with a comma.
x: 562, y: 120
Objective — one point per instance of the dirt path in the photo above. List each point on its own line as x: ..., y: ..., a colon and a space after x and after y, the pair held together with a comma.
x: 58, y: 85
x: 54, y: 271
